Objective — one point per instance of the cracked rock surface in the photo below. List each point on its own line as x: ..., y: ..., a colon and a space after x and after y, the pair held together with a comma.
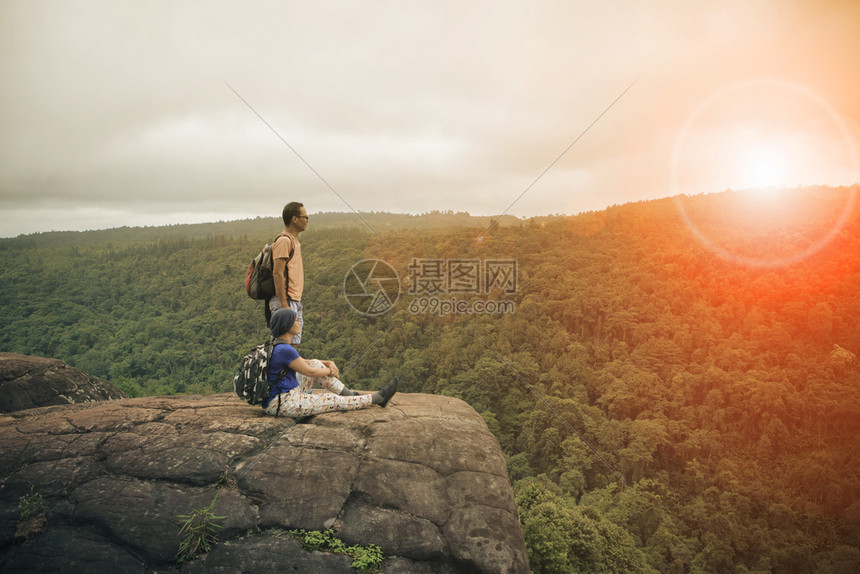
x: 424, y: 479
x: 27, y: 382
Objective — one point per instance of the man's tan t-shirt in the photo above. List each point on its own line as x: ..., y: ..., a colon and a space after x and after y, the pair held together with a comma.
x: 295, y: 267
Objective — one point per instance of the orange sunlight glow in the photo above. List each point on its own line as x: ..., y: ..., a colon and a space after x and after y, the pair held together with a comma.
x: 764, y: 137
x: 763, y: 168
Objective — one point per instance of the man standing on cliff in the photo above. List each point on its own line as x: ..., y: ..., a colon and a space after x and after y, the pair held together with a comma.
x: 287, y: 268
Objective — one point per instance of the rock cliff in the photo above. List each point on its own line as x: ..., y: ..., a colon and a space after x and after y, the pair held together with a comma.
x: 423, y: 479
x: 27, y: 382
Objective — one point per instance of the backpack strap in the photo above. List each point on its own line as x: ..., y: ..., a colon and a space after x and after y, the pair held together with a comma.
x: 283, y: 371
x: 292, y: 247
x: 275, y: 343
x: 286, y: 270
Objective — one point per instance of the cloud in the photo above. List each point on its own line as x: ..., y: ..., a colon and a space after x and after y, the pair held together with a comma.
x: 122, y: 108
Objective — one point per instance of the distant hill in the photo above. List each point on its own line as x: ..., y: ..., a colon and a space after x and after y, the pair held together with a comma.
x: 260, y: 227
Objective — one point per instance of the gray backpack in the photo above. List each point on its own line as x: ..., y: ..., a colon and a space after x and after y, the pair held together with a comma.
x: 250, y: 382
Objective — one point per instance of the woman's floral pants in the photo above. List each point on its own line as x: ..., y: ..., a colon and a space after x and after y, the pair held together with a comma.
x: 300, y: 402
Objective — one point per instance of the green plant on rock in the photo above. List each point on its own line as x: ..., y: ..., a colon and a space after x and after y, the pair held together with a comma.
x: 32, y: 515
x: 31, y: 504
x: 198, y: 531
x: 366, y: 559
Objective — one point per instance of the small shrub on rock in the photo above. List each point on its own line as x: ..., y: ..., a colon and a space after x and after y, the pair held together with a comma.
x: 365, y: 559
x: 198, y: 531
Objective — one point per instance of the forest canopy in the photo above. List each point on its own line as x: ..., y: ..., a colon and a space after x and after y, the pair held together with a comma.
x: 674, y: 383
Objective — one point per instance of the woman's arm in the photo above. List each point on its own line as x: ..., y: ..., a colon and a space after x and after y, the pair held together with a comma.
x: 301, y: 366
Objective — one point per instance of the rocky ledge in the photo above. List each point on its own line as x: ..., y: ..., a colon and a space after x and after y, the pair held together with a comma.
x: 423, y: 479
x: 27, y: 382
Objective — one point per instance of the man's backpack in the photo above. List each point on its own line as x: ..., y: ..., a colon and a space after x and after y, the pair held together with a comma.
x: 259, y: 282
x: 250, y: 382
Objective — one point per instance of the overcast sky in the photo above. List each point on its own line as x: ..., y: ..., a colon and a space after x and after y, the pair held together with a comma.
x: 122, y: 113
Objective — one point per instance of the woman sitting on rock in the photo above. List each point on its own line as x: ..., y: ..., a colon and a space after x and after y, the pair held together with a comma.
x: 293, y: 378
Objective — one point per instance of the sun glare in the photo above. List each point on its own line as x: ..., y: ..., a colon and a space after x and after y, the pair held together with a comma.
x: 763, y: 169
x: 765, y: 138
x: 763, y: 133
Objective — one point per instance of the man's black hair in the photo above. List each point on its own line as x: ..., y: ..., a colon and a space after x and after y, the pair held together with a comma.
x: 291, y: 210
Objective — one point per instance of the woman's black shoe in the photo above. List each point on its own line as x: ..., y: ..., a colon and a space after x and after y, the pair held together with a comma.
x: 388, y: 391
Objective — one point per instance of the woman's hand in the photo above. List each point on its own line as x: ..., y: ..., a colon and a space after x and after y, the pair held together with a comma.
x: 335, y: 372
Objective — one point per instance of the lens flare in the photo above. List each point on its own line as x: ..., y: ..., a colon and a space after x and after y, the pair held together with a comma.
x: 764, y: 136
x: 763, y: 169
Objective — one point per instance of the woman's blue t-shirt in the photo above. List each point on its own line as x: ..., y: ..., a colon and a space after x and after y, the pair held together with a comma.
x: 282, y: 356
